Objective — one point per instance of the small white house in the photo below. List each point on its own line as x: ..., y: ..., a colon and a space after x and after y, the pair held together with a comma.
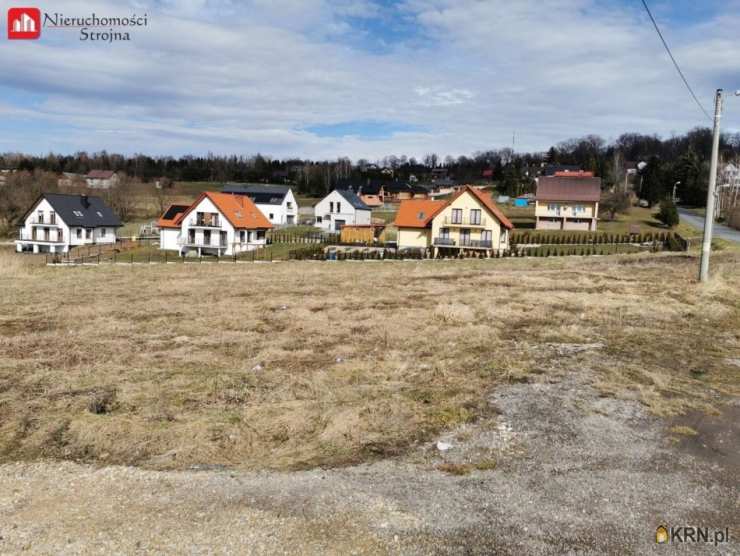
x: 56, y: 222
x: 339, y: 208
x: 276, y: 202
x: 219, y: 224
x: 101, y: 179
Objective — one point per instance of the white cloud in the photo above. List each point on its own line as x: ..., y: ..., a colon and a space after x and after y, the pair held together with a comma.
x: 227, y: 76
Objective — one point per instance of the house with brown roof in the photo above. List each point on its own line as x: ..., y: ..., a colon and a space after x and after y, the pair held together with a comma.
x: 101, y: 179
x: 219, y: 224
x: 467, y: 221
x: 567, y: 202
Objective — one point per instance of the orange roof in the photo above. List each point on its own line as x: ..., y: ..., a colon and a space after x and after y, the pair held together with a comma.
x: 417, y: 213
x: 578, y: 174
x: 172, y: 217
x: 239, y: 210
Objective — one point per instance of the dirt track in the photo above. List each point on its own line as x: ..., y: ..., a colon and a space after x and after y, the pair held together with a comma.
x: 574, y: 471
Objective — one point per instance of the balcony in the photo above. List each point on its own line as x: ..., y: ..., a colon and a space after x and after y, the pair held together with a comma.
x: 43, y: 222
x: 200, y: 242
x: 476, y: 243
x: 444, y: 241
x: 466, y: 222
x: 205, y: 222
x: 39, y: 238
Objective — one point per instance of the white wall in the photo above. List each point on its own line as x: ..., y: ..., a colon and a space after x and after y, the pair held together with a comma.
x: 168, y: 239
x: 100, y: 235
x: 346, y: 212
x: 233, y: 243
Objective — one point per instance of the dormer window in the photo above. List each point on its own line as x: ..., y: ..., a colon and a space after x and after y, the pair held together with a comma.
x: 420, y: 216
x: 77, y: 213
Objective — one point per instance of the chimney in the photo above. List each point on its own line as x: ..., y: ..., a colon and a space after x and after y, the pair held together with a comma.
x: 85, y: 201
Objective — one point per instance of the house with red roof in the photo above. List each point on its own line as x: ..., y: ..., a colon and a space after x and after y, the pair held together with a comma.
x: 568, y: 201
x: 467, y: 221
x: 221, y: 224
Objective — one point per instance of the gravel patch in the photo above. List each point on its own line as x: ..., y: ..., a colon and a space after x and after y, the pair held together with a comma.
x: 558, y: 469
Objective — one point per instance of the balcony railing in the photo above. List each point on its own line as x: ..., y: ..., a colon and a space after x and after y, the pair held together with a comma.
x: 39, y: 238
x: 201, y: 222
x: 49, y: 223
x: 450, y: 221
x: 463, y: 242
x: 200, y: 242
x: 476, y: 243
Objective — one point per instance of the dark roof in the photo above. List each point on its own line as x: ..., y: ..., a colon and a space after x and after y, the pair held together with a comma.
x: 568, y: 189
x: 100, y: 174
x: 550, y: 169
x: 352, y: 199
x: 397, y: 187
x: 81, y: 210
x: 260, y: 194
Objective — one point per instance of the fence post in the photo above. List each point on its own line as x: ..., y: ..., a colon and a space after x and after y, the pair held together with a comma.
x: 132, y: 259
x: 165, y: 257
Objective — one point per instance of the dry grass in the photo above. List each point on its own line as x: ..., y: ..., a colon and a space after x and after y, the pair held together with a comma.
x: 300, y: 364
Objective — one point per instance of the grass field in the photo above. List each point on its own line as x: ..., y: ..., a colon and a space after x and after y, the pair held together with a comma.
x: 292, y: 365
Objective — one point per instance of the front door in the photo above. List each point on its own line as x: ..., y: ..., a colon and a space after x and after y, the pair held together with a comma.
x: 486, y: 238
x: 206, y: 237
x: 223, y: 238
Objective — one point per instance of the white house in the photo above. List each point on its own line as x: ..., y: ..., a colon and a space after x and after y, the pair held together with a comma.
x: 56, y: 222
x: 215, y: 224
x: 341, y: 207
x: 101, y: 179
x: 276, y: 202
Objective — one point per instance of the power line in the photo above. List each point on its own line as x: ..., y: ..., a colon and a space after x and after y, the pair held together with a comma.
x: 678, y: 69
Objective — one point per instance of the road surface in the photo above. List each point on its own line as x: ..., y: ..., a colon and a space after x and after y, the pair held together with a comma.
x: 719, y: 230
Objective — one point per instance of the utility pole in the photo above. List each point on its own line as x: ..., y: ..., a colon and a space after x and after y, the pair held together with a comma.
x: 706, y: 246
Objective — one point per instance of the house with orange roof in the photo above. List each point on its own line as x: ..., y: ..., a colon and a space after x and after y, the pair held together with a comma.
x: 219, y: 224
x: 467, y: 221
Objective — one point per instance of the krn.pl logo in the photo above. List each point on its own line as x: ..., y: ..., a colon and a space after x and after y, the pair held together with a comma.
x: 24, y: 23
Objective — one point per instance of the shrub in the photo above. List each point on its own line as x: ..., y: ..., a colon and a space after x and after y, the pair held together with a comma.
x: 668, y: 214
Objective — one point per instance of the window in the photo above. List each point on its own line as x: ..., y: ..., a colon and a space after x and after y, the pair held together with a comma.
x: 260, y: 234
x: 444, y: 233
x: 40, y: 217
x: 103, y: 232
x: 331, y: 206
x: 552, y: 207
x: 420, y: 216
x: 457, y: 216
x: 77, y: 213
x: 318, y: 219
x: 290, y: 205
x: 79, y: 233
x: 242, y: 236
x: 475, y: 216
x: 52, y: 217
x: 272, y: 215
x: 579, y: 209
x: 339, y: 207
x: 88, y: 233
x: 486, y: 236
x: 100, y: 214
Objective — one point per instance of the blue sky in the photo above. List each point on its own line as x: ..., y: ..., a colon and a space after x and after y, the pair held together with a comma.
x: 365, y: 78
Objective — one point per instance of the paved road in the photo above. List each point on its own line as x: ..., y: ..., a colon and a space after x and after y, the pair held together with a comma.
x: 719, y: 230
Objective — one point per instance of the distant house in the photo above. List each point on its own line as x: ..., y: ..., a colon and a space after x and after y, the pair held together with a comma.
x: 371, y: 192
x: 57, y: 222
x: 276, y: 202
x: 399, y: 191
x: 101, y: 179
x: 70, y: 179
x: 341, y: 207
x: 567, y: 203
x: 215, y: 224
x: 468, y: 221
x: 162, y: 182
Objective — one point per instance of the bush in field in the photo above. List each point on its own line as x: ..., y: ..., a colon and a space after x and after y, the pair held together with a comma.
x: 668, y: 214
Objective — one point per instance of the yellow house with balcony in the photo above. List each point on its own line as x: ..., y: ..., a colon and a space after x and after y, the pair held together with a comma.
x: 567, y: 203
x: 468, y: 221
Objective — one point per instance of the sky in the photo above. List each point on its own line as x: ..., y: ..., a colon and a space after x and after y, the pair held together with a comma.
x: 364, y: 78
